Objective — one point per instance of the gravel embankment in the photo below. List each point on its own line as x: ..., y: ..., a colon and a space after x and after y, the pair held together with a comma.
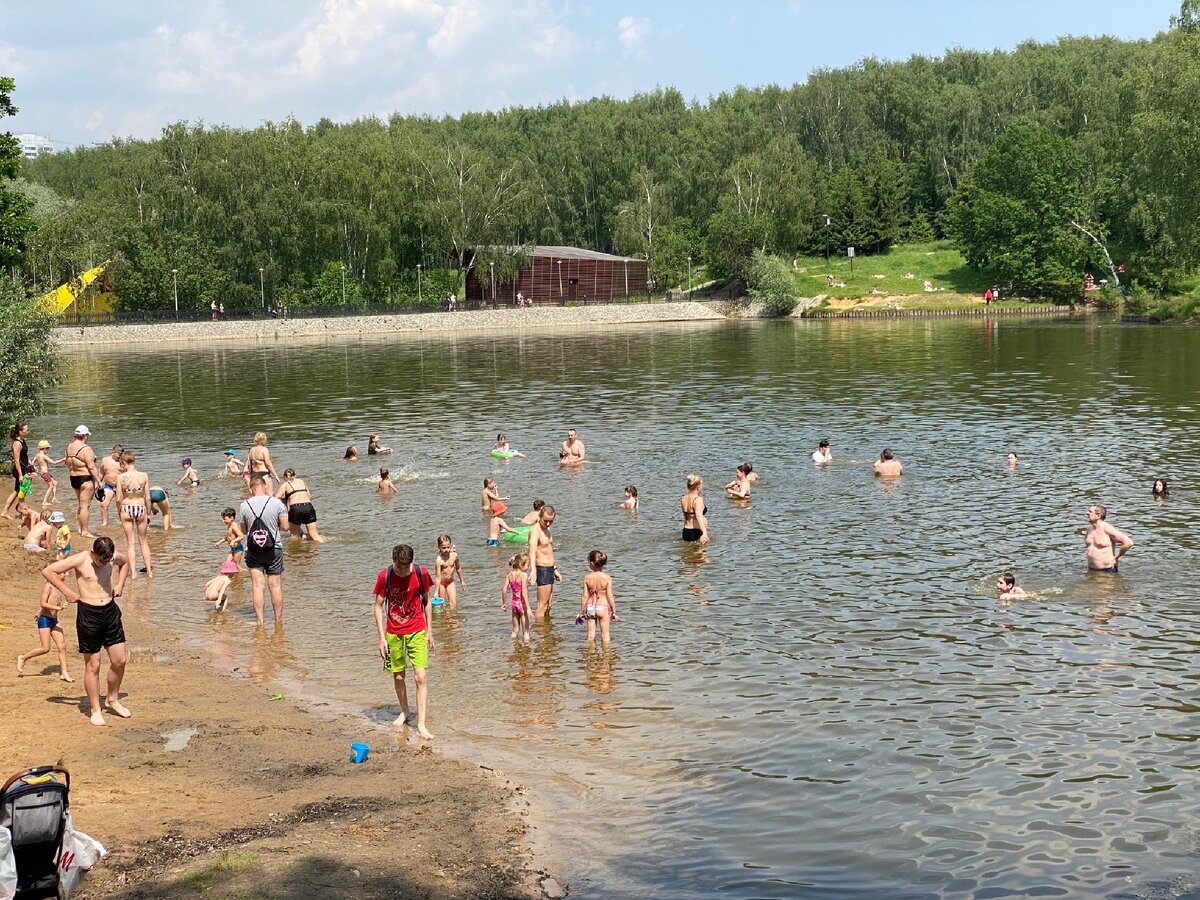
x: 273, y: 330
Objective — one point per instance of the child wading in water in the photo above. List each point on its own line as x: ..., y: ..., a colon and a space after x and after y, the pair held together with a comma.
x: 385, y: 485
x: 190, y: 474
x: 216, y: 589
x: 497, y: 524
x: 446, y: 566
x: 403, y: 615
x: 514, y: 584
x: 233, y: 537
x: 596, y: 602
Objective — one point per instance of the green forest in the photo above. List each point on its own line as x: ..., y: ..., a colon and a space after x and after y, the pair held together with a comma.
x: 1039, y: 164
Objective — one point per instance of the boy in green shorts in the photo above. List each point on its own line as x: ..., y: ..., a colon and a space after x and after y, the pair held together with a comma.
x: 402, y: 597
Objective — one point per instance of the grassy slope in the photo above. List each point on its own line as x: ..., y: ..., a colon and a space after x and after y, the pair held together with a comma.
x: 936, y: 262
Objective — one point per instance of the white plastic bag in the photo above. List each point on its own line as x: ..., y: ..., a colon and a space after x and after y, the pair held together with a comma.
x: 8, y: 866
x: 79, y: 854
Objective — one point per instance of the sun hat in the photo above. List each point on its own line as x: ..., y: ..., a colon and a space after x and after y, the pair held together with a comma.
x: 231, y: 452
x: 229, y: 567
x: 56, y: 517
x: 499, y: 509
x: 82, y: 430
x: 43, y: 445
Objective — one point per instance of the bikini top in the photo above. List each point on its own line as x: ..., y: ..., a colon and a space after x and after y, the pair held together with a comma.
x: 288, y: 493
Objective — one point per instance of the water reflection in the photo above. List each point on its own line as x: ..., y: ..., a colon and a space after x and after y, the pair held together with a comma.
x: 828, y: 700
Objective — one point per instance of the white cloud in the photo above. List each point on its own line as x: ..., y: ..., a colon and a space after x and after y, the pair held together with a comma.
x: 350, y: 29
x: 631, y: 33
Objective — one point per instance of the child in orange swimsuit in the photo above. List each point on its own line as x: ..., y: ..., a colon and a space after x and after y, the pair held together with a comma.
x: 446, y: 566
x: 596, y: 602
x: 515, y: 585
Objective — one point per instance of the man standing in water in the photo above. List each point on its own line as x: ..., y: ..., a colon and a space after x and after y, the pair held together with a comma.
x: 887, y: 466
x: 542, y: 571
x: 1102, y: 540
x: 99, y: 618
x: 85, y: 479
x: 573, y: 450
x: 263, y: 519
x: 110, y: 470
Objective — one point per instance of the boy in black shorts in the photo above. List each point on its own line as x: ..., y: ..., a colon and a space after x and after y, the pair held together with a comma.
x: 98, y: 621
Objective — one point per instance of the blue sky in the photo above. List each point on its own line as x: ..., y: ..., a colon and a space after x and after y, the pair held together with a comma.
x: 89, y: 72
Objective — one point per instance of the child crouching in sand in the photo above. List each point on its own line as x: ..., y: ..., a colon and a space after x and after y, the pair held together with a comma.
x: 514, y: 585
x: 596, y: 602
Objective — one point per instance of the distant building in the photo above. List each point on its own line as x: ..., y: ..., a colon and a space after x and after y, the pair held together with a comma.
x: 34, y: 145
x: 560, y: 274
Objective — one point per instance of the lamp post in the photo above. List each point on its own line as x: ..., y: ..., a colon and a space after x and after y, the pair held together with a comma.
x: 492, y: 270
x: 826, y: 240
x: 419, y: 299
x: 175, y: 283
x: 689, y: 278
x: 343, y: 284
x: 560, y: 296
x: 262, y: 287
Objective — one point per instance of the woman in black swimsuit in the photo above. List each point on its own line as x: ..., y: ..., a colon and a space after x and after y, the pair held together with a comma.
x: 20, y: 463
x: 298, y: 498
x: 695, y: 513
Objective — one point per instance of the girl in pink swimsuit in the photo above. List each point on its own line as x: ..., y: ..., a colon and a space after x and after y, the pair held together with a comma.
x: 514, y: 585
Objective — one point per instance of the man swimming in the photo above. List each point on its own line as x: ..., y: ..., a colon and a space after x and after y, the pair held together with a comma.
x: 887, y: 466
x: 572, y: 451
x: 1102, y: 542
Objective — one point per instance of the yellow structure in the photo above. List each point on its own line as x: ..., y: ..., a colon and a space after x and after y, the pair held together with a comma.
x: 63, y: 297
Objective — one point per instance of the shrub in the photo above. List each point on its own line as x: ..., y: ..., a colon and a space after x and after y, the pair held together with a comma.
x: 771, y: 283
x: 28, y: 358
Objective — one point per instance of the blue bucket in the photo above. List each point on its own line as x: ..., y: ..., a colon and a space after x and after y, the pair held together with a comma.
x: 360, y: 752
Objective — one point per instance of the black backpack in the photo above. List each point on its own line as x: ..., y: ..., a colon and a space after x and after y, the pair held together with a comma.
x: 260, y: 536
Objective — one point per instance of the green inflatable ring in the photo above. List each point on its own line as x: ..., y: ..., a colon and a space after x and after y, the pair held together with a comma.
x: 500, y: 454
x: 519, y: 536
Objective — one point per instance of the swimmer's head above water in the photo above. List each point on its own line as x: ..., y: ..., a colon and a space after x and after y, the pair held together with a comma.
x: 1160, y: 487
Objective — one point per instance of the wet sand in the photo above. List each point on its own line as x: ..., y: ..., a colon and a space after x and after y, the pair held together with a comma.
x: 261, y: 801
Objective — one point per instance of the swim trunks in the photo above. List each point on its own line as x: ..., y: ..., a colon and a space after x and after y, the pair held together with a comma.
x: 493, y: 542
x: 78, y: 481
x: 157, y: 496
x: 238, y: 548
x: 1111, y: 570
x: 99, y: 626
x: 45, y: 621
x: 692, y: 534
x: 108, y: 487
x: 410, y: 647
x: 301, y: 514
x: 545, y: 575
x: 271, y: 562
x: 446, y: 583
x: 33, y: 548
x: 46, y: 477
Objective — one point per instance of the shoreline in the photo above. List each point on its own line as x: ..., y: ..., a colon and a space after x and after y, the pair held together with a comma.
x: 214, y: 783
x: 609, y: 315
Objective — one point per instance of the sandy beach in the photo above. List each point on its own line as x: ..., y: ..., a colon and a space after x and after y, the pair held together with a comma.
x: 476, y: 320
x: 259, y: 800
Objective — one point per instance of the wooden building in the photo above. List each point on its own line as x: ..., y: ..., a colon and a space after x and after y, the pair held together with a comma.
x: 560, y: 275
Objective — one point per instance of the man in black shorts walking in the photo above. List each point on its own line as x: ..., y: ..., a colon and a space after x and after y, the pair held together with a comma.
x: 264, y: 521
x: 98, y: 621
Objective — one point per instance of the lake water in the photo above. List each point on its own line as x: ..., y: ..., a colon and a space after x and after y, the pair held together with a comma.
x: 828, y: 702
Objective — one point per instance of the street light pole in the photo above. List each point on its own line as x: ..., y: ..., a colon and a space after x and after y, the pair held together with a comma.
x: 827, y: 241
x: 492, y: 269
x: 689, y: 278
x: 262, y: 287
x: 420, y: 301
x: 175, y: 282
x: 343, y: 284
x: 560, y: 296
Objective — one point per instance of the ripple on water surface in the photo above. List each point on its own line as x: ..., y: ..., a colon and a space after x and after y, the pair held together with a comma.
x: 829, y: 700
